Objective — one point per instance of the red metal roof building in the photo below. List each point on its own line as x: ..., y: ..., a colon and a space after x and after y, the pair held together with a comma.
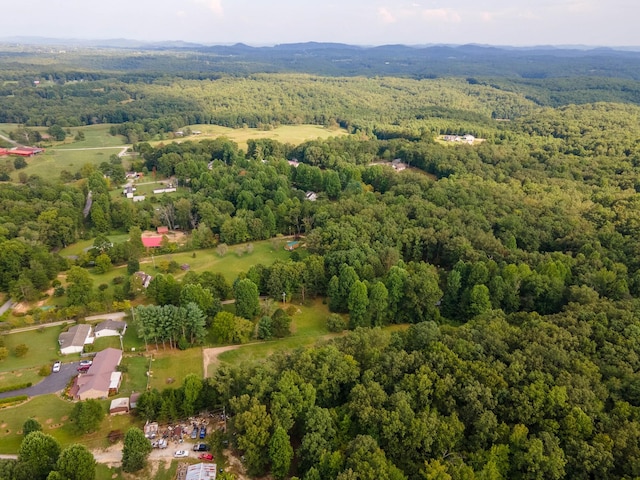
x: 152, y: 242
x: 21, y: 151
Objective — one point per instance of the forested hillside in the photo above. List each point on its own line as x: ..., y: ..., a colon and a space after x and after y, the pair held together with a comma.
x: 512, y: 262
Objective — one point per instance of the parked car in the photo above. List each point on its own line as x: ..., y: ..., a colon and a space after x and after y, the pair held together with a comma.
x: 181, y: 453
x: 56, y: 366
x: 194, y: 432
x: 203, y: 431
x: 83, y: 368
x: 86, y: 363
x: 205, y: 456
x: 201, y: 447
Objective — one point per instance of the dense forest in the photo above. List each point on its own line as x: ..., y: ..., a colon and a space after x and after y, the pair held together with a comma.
x: 514, y: 261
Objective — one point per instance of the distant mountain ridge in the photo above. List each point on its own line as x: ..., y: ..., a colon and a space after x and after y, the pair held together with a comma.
x: 338, y: 59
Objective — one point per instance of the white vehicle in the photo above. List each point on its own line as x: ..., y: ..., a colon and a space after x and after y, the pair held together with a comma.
x: 56, y: 366
x: 181, y: 453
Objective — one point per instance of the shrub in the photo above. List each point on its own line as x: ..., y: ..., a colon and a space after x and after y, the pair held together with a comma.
x: 44, y: 371
x: 335, y: 323
x: 118, y: 280
x: 19, y: 386
x: 21, y: 350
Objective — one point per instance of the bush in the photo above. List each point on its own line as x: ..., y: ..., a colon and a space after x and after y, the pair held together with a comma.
x: 58, y: 291
x: 183, y: 343
x: 118, y: 280
x: 44, y: 371
x: 19, y: 398
x: 21, y: 350
x: 264, y: 328
x: 335, y: 323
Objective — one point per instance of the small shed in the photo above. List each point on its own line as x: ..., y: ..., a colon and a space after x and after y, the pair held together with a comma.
x: 133, y: 400
x: 163, y: 230
x: 119, y: 406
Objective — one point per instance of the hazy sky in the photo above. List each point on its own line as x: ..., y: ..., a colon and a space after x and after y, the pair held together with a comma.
x: 361, y: 22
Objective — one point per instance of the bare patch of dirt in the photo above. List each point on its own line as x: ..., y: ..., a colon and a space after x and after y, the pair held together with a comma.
x: 4, y: 425
x: 235, y: 466
x: 65, y: 418
x: 48, y: 421
x: 210, y: 356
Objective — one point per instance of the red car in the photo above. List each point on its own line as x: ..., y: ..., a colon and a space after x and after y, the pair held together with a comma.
x: 205, y: 456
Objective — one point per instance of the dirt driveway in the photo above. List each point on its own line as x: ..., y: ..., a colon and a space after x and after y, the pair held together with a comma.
x: 210, y: 356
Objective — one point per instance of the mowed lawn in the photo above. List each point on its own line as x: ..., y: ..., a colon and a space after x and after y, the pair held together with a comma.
x: 52, y: 413
x: 169, y: 367
x: 43, y: 350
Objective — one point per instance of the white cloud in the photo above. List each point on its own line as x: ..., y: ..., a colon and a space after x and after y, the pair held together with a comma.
x: 441, y: 15
x: 386, y: 16
x: 214, y: 5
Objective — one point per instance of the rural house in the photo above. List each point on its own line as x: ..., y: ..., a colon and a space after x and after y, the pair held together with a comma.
x: 74, y: 339
x: 102, y: 379
x: 110, y: 328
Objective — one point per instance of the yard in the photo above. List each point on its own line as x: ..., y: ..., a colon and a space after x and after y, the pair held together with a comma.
x: 42, y: 350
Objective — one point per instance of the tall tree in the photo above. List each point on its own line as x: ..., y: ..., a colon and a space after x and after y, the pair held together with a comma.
x: 247, y: 299
x: 280, y: 453
x: 135, y: 451
x: 76, y: 463
x: 37, y: 456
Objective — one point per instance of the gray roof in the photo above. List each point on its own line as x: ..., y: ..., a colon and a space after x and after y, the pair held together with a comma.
x: 75, y: 336
x: 111, y: 325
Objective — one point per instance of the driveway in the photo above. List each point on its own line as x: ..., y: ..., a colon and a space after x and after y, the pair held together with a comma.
x: 55, y: 382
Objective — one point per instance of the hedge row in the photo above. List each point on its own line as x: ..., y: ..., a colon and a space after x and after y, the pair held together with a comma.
x: 19, y: 398
x: 15, y: 387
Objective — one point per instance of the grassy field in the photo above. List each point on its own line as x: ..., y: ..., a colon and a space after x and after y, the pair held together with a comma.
x: 307, y: 327
x: 230, y: 265
x: 55, y: 160
x: 78, y: 247
x: 294, y: 134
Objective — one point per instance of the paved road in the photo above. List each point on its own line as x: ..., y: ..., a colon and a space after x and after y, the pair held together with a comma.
x: 55, y: 382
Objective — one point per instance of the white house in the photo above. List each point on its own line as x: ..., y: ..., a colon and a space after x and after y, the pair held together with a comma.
x: 110, y: 328
x: 74, y: 340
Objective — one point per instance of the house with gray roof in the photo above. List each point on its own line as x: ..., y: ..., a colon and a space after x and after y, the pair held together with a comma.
x: 110, y: 328
x: 74, y: 339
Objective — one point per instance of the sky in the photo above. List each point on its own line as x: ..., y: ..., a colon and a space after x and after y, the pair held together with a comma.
x: 357, y: 22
